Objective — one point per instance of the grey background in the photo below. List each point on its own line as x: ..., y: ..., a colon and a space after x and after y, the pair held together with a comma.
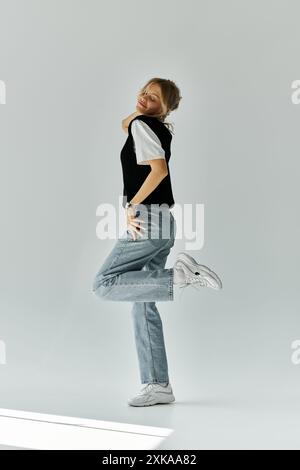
x: 72, y: 71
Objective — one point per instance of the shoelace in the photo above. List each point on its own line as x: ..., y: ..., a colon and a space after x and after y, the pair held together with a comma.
x: 191, y: 281
x: 146, y: 388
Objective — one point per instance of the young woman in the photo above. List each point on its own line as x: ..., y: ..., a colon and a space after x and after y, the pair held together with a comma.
x: 135, y: 268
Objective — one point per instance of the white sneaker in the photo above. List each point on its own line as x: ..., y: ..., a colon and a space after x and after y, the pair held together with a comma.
x: 188, y: 272
x: 151, y: 394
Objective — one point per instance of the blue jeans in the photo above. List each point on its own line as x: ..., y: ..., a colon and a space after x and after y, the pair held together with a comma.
x: 135, y: 271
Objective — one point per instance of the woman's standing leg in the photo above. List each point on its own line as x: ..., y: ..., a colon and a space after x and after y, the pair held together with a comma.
x: 148, y: 331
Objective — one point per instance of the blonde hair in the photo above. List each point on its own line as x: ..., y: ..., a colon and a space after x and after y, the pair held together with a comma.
x: 170, y: 96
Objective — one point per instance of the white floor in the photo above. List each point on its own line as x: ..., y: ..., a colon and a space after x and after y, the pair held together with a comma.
x: 254, y: 411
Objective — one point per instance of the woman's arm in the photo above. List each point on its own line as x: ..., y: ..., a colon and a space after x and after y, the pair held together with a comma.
x: 159, y: 171
x: 126, y: 121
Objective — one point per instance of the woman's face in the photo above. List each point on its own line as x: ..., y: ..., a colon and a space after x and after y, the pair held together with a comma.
x: 150, y: 101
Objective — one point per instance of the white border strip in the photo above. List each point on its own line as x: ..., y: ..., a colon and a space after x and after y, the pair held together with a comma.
x: 45, y: 431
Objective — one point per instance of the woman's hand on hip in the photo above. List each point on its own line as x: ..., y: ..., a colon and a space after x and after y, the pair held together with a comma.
x: 132, y: 223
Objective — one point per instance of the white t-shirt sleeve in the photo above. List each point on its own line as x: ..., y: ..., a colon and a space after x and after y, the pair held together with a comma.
x: 147, y: 144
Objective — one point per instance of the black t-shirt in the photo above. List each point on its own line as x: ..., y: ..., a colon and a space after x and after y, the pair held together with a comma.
x: 148, y: 138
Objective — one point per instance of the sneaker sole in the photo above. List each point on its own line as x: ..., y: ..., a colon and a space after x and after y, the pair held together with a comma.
x: 155, y: 401
x: 189, y: 259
